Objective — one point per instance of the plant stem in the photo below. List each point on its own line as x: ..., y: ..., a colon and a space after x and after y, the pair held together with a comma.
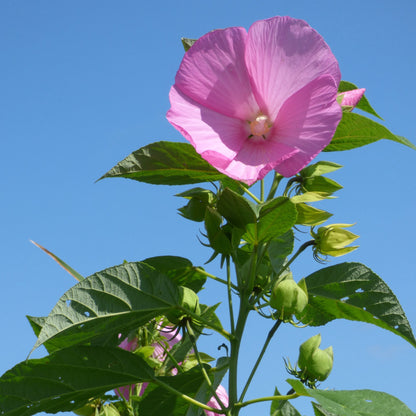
x: 250, y: 194
x: 262, y: 190
x: 204, y: 372
x: 218, y: 279
x: 253, y: 371
x: 276, y: 181
x: 230, y: 299
x: 265, y: 399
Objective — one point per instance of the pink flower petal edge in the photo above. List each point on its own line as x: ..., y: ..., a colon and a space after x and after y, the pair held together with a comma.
x: 223, y: 396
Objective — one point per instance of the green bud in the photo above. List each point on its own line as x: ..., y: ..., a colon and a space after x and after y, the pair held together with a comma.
x: 188, y: 300
x: 288, y: 298
x: 316, y: 364
x: 333, y: 239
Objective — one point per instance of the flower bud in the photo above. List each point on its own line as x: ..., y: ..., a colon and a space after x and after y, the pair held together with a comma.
x: 288, y: 298
x: 333, y: 239
x: 316, y: 364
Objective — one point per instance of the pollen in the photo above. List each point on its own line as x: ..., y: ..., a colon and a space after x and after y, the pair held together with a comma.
x: 260, y: 126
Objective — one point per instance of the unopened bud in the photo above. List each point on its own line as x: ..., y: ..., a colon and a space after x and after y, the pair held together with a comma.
x: 288, y: 298
x: 316, y: 364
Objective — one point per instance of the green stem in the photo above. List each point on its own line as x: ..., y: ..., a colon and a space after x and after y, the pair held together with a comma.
x: 253, y: 371
x: 302, y: 248
x: 198, y: 358
x: 187, y: 398
x: 262, y: 190
x: 265, y: 399
x: 230, y: 299
x: 249, y: 193
x: 218, y: 279
x: 276, y: 181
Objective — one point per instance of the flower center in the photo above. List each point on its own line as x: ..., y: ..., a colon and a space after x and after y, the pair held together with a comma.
x: 260, y: 126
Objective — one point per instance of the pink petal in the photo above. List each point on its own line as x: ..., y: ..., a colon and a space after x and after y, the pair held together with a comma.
x: 307, y: 122
x: 223, y: 396
x: 282, y: 56
x: 213, y: 73
x: 351, y: 98
x: 216, y: 137
x: 256, y: 159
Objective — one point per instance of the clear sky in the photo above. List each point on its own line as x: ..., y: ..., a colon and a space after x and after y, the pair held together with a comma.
x: 84, y: 83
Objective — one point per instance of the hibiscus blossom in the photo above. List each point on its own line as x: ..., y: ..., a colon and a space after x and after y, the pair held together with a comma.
x: 257, y: 101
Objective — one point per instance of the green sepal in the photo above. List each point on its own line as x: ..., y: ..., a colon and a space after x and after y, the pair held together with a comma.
x: 320, y: 184
x: 218, y: 239
x: 236, y: 209
x: 310, y: 216
x: 320, y: 168
x: 187, y: 43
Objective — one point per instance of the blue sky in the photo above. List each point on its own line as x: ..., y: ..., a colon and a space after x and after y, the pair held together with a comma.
x: 83, y: 84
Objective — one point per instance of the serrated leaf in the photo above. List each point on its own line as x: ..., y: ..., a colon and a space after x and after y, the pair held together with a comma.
x: 165, y: 163
x: 320, y: 411
x: 115, y: 300
x: 352, y: 291
x: 363, y: 104
x: 180, y: 270
x: 310, y: 197
x: 67, y: 379
x: 355, y: 130
x: 282, y: 407
x: 355, y: 402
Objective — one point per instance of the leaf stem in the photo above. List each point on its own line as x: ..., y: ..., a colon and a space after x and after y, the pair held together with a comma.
x: 265, y: 399
x: 253, y: 371
x: 230, y: 299
x: 203, y: 371
x: 276, y: 181
x: 218, y: 279
x: 249, y: 193
x: 262, y: 190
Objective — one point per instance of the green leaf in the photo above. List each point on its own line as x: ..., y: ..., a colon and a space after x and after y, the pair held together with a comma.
x: 354, y: 402
x: 236, y: 209
x: 355, y: 130
x: 216, y: 235
x: 282, y: 407
x: 352, y: 291
x: 308, y: 215
x: 67, y: 379
x: 363, y: 104
x: 276, y: 217
x: 115, y: 300
x: 165, y: 163
x: 279, y: 249
x: 205, y: 393
x: 187, y: 43
x: 158, y: 400
x: 320, y: 411
x: 180, y: 270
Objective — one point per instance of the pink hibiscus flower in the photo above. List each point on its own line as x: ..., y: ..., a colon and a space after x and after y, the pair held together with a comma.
x: 257, y: 101
x: 351, y: 98
x: 223, y: 396
x: 158, y: 353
